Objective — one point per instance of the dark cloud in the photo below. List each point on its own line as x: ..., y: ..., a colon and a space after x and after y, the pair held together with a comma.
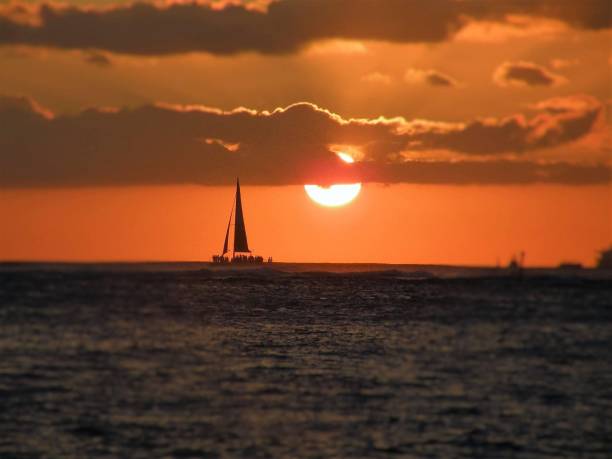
x: 431, y: 77
x: 286, y: 26
x: 525, y: 74
x: 162, y: 144
x: 96, y: 58
x: 515, y: 134
x: 439, y: 79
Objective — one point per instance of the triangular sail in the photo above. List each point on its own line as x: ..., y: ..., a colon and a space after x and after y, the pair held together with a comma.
x: 240, y: 237
x: 227, y: 233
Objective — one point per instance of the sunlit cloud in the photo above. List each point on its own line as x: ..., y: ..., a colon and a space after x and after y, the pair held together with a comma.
x: 27, y: 106
x: 228, y: 146
x: 352, y: 151
x: 337, y: 47
x: 300, y: 143
x: 513, y: 27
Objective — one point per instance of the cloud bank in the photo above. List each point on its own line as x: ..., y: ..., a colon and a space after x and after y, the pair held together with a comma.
x: 166, y: 144
x: 285, y: 26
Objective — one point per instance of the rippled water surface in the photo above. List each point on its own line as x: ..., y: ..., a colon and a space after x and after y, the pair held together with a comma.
x: 146, y: 363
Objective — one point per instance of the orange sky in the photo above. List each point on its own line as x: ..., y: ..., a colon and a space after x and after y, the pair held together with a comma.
x: 394, y: 224
x: 479, y: 129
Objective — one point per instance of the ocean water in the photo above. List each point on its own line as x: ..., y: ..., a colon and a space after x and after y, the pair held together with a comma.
x: 176, y: 361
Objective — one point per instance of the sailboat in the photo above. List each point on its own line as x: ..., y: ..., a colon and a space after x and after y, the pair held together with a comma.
x: 240, y: 251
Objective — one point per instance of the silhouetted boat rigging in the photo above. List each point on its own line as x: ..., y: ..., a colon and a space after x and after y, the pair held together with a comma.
x: 240, y: 252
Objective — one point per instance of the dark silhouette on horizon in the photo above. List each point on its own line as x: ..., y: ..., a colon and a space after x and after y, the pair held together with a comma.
x: 240, y: 245
x: 605, y: 259
x: 517, y: 265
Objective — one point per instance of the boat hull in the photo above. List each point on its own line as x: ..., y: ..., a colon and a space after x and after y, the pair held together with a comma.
x: 239, y: 260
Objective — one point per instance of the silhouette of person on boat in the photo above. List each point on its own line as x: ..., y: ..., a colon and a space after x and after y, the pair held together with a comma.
x: 240, y: 253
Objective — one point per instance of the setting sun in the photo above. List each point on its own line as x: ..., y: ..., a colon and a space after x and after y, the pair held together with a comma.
x: 334, y: 195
